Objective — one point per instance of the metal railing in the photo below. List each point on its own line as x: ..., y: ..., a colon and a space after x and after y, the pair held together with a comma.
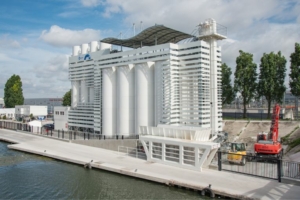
x: 273, y: 168
x: 61, y: 134
x: 291, y: 169
x: 250, y: 164
x: 132, y: 152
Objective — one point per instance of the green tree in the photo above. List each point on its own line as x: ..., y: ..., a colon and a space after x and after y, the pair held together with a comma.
x: 295, y: 71
x: 67, y: 99
x: 31, y: 116
x: 245, y: 78
x: 227, y: 90
x: 4, y: 117
x: 13, y: 92
x: 271, y: 78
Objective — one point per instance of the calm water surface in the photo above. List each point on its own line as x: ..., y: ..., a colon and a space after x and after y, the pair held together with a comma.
x: 27, y: 176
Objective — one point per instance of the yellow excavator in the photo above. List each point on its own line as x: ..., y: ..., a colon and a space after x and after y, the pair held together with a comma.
x: 237, y: 153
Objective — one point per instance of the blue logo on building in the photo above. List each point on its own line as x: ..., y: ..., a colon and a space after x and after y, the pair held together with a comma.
x: 85, y: 57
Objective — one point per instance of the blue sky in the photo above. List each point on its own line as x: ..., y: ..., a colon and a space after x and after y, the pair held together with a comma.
x: 36, y: 37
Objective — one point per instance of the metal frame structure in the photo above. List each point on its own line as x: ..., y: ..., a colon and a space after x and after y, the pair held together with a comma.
x: 176, y: 146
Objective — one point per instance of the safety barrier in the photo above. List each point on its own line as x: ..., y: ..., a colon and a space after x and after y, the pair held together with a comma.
x: 61, y: 134
x: 267, y: 167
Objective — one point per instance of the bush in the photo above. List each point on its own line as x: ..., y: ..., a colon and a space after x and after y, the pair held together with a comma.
x: 286, y: 140
x: 4, y: 117
x: 295, y: 142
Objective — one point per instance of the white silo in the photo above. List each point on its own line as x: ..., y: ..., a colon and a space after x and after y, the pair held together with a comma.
x: 84, y: 48
x: 144, y: 95
x: 76, y: 50
x: 94, y: 46
x: 104, y: 46
x: 75, y: 93
x: 125, y: 100
x: 109, y: 118
x: 84, y: 92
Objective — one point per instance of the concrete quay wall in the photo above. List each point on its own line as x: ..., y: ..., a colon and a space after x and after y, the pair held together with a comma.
x: 107, y: 144
x: 222, y: 183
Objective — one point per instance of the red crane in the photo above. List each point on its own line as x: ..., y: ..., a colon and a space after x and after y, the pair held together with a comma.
x: 268, y: 145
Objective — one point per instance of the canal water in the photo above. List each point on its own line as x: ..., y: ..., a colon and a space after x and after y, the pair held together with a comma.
x: 28, y: 176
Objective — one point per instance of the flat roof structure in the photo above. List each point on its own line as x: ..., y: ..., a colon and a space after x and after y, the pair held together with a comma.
x: 154, y: 35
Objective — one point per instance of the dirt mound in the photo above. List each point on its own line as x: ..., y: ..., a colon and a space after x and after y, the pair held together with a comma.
x: 253, y: 128
x: 233, y: 128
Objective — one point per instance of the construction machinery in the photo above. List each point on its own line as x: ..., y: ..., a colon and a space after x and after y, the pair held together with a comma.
x: 237, y: 153
x: 267, y: 145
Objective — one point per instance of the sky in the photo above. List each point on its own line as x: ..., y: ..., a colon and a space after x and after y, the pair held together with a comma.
x: 36, y: 37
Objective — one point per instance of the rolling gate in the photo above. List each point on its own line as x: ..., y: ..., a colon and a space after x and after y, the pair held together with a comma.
x: 271, y: 168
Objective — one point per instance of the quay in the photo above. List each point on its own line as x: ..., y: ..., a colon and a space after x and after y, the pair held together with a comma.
x: 222, y: 183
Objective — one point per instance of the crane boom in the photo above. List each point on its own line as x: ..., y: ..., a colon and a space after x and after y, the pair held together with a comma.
x: 273, y: 135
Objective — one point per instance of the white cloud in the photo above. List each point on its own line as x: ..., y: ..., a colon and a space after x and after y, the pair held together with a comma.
x: 90, y: 3
x: 61, y: 37
x: 44, y: 72
x: 253, y: 26
x: 7, y: 42
x: 177, y: 13
x: 69, y: 14
x: 55, y: 68
x: 49, y: 79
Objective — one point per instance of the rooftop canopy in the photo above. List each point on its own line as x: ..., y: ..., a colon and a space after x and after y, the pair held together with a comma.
x: 151, y: 36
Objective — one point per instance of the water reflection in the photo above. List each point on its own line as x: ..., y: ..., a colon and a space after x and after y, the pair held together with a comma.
x: 27, y: 176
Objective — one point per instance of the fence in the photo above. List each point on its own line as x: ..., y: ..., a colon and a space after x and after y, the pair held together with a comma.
x: 291, y: 169
x: 133, y: 152
x: 272, y: 168
x: 255, y: 116
x: 61, y: 134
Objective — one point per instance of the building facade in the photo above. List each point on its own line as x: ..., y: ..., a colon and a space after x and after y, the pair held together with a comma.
x: 61, y: 114
x: 9, y: 113
x: 155, y: 81
x: 25, y: 111
x: 49, y: 102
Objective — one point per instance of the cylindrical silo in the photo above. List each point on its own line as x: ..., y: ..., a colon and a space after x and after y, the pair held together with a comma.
x: 94, y: 45
x: 84, y: 48
x: 75, y: 93
x: 125, y: 100
x: 76, y: 50
x: 84, y: 92
x: 105, y: 46
x: 109, y: 119
x: 214, y: 25
x: 144, y: 95
x: 91, y: 94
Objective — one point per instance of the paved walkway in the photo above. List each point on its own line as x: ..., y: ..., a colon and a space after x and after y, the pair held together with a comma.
x: 223, y: 183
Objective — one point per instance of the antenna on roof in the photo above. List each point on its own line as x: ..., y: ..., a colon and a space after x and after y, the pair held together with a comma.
x: 133, y: 29
x: 141, y: 26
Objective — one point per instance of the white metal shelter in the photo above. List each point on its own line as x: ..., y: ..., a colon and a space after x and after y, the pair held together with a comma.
x: 188, y: 148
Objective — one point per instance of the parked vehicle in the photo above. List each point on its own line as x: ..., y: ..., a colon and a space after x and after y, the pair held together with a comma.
x: 48, y: 126
x: 267, y: 145
x: 237, y: 153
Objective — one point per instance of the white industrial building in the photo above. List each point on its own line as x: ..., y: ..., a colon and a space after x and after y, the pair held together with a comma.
x: 26, y: 110
x: 155, y: 82
x: 160, y: 87
x: 61, y: 114
x: 9, y: 113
